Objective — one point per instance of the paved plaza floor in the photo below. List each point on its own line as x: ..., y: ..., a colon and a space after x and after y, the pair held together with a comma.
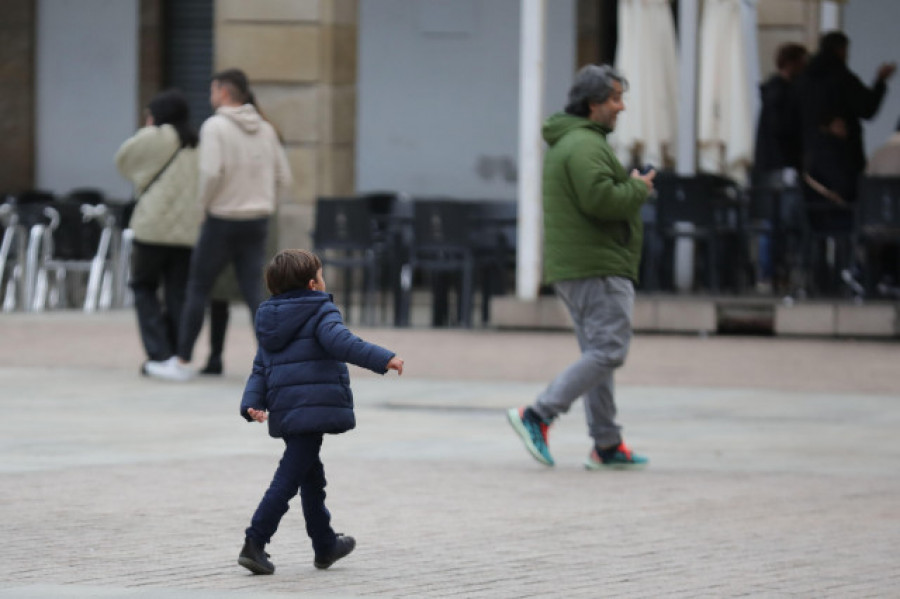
x: 775, y: 472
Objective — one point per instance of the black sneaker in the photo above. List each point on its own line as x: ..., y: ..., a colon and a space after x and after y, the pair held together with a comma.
x: 213, y: 367
x: 342, y: 548
x: 255, y: 559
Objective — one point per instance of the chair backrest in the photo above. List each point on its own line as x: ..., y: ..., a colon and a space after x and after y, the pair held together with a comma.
x: 86, y: 195
x: 381, y: 203
x: 34, y: 196
x: 30, y: 206
x: 496, y: 224
x: 443, y: 224
x: 76, y: 237
x: 702, y: 200
x: 681, y: 199
x: 878, y: 205
x: 343, y: 223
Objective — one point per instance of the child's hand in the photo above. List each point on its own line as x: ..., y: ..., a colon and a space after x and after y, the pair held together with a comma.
x: 396, y: 363
x: 258, y: 415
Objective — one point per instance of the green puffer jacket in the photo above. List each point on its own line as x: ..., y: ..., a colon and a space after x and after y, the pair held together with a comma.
x: 592, y: 207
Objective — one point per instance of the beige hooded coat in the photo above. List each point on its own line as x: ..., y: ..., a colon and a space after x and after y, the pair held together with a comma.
x: 242, y: 164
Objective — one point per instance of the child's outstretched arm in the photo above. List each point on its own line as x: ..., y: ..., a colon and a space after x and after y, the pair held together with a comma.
x: 338, y: 341
x: 254, y: 397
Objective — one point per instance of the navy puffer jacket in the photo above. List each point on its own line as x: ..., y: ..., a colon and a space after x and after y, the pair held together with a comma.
x: 300, y: 373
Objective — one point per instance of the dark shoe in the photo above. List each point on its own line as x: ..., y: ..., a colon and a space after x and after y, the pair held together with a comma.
x: 213, y: 367
x: 342, y: 548
x: 255, y: 559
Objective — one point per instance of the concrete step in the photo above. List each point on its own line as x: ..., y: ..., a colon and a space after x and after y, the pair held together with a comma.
x: 707, y: 315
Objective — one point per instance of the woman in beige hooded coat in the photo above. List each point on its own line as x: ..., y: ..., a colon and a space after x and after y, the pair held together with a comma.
x: 161, y: 161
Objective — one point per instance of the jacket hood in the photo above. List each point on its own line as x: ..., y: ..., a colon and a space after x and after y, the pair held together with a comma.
x: 246, y: 117
x: 561, y: 123
x: 280, y: 317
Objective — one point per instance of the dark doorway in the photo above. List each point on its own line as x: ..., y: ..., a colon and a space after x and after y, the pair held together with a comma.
x: 188, y: 52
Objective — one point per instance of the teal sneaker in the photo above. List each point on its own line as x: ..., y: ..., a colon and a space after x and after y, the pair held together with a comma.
x: 533, y: 432
x: 617, y: 458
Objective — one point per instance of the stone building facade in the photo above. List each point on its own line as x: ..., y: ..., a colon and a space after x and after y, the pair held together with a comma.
x: 17, y: 25
x: 301, y: 57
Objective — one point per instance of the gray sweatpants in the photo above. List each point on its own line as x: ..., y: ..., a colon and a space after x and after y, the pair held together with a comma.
x: 601, y: 309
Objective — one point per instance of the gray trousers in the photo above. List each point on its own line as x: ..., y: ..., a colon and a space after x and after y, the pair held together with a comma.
x: 601, y: 309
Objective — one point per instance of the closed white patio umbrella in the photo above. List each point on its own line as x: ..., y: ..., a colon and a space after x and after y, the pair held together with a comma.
x: 647, y: 55
x: 729, y: 73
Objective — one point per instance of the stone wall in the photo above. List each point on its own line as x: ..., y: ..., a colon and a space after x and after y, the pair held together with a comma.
x: 17, y: 101
x: 300, y: 56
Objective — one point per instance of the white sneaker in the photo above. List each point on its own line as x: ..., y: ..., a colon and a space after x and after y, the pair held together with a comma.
x: 170, y: 370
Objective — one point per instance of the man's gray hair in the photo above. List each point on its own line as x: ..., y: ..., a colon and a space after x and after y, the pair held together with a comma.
x: 593, y: 83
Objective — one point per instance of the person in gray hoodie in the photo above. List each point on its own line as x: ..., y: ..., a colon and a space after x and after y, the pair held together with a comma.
x: 241, y: 167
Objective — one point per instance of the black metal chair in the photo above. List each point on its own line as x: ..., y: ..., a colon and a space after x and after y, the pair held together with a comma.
x: 12, y: 255
x: 442, y: 246
x: 877, y: 228
x: 685, y: 208
x: 493, y: 237
x: 29, y: 206
x: 75, y: 236
x: 345, y: 238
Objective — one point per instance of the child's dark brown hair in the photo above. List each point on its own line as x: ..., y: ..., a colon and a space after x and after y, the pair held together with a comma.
x: 290, y: 270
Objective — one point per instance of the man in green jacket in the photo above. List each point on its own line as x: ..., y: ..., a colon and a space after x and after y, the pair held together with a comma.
x: 592, y: 252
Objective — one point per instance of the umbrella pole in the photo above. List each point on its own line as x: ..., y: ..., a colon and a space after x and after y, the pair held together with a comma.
x: 686, y: 159
x: 531, y: 100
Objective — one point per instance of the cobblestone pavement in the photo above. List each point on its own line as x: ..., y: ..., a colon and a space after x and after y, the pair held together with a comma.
x: 775, y: 471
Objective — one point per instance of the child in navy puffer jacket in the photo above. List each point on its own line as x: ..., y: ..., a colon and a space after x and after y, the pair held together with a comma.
x: 300, y: 383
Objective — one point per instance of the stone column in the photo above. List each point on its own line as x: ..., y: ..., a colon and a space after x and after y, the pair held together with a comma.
x: 17, y: 43
x: 300, y: 56
x: 783, y: 21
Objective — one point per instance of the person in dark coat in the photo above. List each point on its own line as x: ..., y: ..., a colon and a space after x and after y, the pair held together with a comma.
x: 778, y: 159
x: 833, y: 100
x: 300, y: 383
x: 779, y: 133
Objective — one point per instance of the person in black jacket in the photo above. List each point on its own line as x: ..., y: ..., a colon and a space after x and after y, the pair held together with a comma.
x: 833, y: 100
x: 300, y: 383
x: 779, y: 134
x: 778, y: 159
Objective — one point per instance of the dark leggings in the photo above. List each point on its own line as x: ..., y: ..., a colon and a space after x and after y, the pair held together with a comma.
x: 154, y: 266
x: 218, y: 324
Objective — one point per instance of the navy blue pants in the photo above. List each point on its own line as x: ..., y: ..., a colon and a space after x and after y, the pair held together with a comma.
x: 300, y: 470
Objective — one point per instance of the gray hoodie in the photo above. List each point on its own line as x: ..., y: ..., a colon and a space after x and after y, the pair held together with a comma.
x: 242, y: 164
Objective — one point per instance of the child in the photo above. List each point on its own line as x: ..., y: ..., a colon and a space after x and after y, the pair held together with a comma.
x: 300, y: 378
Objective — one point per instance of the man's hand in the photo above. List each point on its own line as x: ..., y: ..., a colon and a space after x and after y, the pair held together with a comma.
x: 258, y: 415
x: 647, y: 178
x: 838, y: 128
x: 396, y: 363
x: 886, y: 71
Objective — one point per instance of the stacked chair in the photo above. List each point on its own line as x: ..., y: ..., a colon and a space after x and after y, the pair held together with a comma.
x: 60, y: 252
